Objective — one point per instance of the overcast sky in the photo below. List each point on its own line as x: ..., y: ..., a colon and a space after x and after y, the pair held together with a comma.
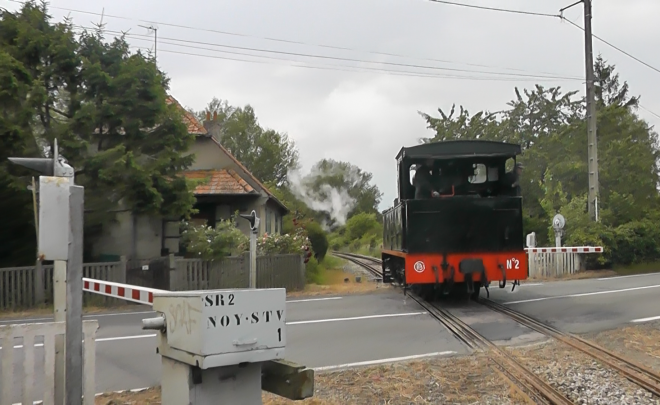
x: 366, y: 117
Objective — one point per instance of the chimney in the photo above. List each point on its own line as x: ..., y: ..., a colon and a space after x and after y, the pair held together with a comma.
x: 213, y: 126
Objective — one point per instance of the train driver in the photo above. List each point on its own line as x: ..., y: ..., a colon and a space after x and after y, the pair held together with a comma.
x: 424, y: 181
x: 512, y: 178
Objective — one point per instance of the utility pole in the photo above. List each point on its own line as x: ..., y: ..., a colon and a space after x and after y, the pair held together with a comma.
x: 592, y: 141
x: 591, y: 113
x: 155, y: 30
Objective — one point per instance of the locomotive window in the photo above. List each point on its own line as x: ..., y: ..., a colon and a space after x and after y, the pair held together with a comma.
x: 480, y: 174
x: 493, y: 173
x: 412, y: 173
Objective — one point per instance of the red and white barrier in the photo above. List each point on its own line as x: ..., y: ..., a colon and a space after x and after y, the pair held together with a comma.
x: 566, y: 249
x: 141, y: 295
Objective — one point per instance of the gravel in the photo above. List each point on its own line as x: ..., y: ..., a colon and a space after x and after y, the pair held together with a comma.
x: 350, y: 267
x: 581, y: 379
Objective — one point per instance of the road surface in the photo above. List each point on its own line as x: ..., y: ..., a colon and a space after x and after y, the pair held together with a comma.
x: 328, y: 332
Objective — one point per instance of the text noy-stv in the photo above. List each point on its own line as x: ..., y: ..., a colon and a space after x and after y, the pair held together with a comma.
x: 215, y: 346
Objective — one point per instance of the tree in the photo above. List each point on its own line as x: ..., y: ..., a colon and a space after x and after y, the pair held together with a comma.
x: 550, y: 124
x: 34, y: 64
x: 268, y: 154
x: 137, y: 138
x: 108, y: 109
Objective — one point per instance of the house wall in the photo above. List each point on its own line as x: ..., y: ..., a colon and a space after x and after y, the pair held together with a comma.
x: 119, y: 238
x: 272, y: 218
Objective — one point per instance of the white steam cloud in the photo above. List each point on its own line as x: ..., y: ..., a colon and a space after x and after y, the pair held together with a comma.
x: 334, y: 201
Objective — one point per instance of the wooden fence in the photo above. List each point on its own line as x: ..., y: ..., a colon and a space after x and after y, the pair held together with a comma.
x: 27, y: 377
x: 27, y: 287
x: 277, y: 271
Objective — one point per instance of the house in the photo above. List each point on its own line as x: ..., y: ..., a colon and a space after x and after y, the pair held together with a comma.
x: 226, y: 186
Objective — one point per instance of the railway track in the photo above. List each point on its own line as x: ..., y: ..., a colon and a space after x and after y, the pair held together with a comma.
x: 637, y: 373
x: 534, y: 387
x: 371, y: 264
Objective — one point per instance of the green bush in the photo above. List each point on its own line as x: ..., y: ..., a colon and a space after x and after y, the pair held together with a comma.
x: 318, y: 239
x: 313, y: 271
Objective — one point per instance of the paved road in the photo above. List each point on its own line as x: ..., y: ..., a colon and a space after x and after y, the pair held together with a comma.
x: 332, y: 331
x: 583, y: 306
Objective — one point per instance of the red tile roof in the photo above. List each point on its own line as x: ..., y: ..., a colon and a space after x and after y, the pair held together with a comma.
x: 217, y: 182
x: 256, y: 180
x: 194, y: 126
x: 197, y: 128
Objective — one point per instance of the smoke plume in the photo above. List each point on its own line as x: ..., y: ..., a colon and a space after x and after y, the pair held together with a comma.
x: 316, y: 192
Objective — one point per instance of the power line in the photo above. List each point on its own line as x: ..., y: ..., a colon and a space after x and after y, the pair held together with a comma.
x: 503, y: 10
x: 341, y: 68
x: 288, y: 41
x: 336, y: 58
x: 613, y: 46
x: 649, y: 111
x: 332, y: 66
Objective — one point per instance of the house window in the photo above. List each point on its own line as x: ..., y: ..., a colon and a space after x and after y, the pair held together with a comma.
x: 277, y: 224
x: 268, y: 221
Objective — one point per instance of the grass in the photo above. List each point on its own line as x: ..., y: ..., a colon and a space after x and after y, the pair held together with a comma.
x: 458, y: 380
x: 641, y: 268
x: 329, y: 277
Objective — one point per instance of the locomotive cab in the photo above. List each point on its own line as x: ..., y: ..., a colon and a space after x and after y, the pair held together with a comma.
x: 460, y: 223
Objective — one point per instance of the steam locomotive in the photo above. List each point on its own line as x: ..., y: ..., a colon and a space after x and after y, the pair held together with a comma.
x: 467, y: 231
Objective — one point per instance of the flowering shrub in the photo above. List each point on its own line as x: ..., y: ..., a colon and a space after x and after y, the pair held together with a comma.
x: 296, y: 242
x: 210, y: 243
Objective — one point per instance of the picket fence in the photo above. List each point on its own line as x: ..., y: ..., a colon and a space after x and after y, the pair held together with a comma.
x: 554, y: 265
x: 27, y: 376
x: 27, y: 287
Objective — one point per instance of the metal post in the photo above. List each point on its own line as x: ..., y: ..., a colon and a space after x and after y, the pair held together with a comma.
x: 592, y: 141
x: 254, y: 230
x: 59, y: 301
x: 253, y: 259
x: 74, y: 288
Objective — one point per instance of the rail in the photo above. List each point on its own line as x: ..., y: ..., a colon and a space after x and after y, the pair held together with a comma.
x: 511, y: 369
x: 640, y: 375
x: 371, y: 264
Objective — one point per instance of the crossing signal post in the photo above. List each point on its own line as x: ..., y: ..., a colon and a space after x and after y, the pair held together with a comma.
x: 60, y: 239
x: 254, y: 230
